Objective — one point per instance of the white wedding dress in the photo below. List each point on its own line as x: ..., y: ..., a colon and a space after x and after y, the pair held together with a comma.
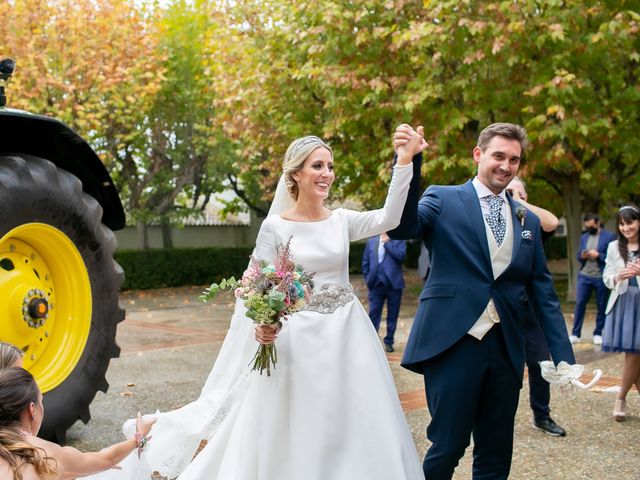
x: 329, y: 410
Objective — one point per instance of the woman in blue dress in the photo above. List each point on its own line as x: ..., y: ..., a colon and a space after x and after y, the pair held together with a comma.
x: 622, y: 325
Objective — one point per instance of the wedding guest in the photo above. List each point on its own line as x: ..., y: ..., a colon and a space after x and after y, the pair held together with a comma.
x: 382, y: 269
x: 536, y: 345
x: 622, y: 324
x: 10, y: 355
x: 591, y: 254
x: 24, y: 456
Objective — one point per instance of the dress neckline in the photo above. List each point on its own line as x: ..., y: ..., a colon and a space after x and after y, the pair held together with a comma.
x: 299, y: 221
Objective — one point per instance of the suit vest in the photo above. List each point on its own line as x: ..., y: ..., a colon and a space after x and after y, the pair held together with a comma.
x: 500, y: 260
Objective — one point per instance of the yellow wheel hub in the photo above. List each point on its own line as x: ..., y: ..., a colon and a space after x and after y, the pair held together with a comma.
x: 45, y: 301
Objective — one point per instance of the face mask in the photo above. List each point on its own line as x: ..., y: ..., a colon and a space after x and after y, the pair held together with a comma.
x: 592, y: 230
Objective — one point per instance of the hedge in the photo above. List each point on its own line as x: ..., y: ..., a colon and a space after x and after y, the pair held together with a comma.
x: 158, y: 268
x: 175, y: 267
x: 556, y: 248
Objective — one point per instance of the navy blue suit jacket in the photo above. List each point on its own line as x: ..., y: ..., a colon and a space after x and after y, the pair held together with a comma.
x: 605, y: 238
x: 449, y: 220
x: 391, y: 266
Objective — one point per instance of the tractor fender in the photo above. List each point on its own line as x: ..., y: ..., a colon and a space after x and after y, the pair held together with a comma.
x: 45, y: 137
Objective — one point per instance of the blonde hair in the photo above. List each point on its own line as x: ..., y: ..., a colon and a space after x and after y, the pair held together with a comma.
x: 17, y: 452
x: 297, y: 153
x: 9, y: 355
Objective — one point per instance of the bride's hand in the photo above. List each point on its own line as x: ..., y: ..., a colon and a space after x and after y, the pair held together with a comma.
x: 267, y: 334
x: 408, y: 142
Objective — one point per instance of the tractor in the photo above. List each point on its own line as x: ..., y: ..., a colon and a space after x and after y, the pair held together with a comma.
x: 59, y: 281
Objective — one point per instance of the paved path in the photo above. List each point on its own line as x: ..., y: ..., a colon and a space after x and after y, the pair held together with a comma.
x: 169, y: 341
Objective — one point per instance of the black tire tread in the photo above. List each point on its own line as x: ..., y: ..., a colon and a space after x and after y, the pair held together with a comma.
x: 21, y: 174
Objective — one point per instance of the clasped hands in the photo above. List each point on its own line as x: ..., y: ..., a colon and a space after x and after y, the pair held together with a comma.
x: 630, y: 270
x: 589, y: 254
x: 408, y: 142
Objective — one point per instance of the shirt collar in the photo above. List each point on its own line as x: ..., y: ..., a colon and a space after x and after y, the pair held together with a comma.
x: 482, y: 190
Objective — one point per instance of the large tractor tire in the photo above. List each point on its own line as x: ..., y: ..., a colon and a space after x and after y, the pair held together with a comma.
x: 58, y: 286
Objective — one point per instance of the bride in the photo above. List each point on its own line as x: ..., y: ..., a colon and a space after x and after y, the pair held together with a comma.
x: 330, y: 410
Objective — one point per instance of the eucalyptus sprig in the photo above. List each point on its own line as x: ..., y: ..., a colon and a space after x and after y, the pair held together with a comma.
x: 213, y: 290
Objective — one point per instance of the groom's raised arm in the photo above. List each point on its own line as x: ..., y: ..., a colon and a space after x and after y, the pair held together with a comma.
x: 419, y: 213
x: 408, y: 227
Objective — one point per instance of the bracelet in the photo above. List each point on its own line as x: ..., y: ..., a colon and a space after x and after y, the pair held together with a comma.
x: 141, y: 440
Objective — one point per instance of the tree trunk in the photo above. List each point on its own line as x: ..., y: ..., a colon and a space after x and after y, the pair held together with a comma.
x: 573, y: 212
x: 143, y: 237
x: 167, y: 241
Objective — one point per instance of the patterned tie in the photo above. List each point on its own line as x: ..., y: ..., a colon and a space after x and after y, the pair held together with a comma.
x: 495, y: 218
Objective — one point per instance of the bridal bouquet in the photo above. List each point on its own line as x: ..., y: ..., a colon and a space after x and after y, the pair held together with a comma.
x: 270, y: 293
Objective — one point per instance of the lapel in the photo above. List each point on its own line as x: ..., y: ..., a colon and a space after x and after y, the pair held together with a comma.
x: 603, y: 241
x: 517, y: 230
x: 471, y: 204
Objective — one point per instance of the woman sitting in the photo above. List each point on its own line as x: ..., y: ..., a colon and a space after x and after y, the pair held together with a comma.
x: 24, y: 456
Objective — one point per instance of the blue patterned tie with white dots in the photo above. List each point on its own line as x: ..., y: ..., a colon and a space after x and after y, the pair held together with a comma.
x: 495, y: 219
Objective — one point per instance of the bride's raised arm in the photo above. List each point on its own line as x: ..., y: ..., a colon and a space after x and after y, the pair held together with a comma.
x: 408, y: 142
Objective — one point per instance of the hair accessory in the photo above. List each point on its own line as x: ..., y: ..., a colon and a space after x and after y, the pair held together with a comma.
x: 300, y: 149
x: 629, y: 207
x: 304, y: 141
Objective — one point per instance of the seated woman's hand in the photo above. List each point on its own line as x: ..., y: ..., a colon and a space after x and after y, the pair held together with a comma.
x: 143, y: 425
x: 267, y: 334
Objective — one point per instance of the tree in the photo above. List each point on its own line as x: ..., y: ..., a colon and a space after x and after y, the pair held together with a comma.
x: 567, y: 71
x: 352, y: 69
x: 92, y: 64
x: 182, y: 145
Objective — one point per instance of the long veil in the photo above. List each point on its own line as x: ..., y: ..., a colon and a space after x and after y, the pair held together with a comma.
x: 178, y: 434
x: 282, y: 201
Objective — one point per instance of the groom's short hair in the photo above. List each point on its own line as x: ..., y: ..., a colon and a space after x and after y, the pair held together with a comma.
x: 507, y: 130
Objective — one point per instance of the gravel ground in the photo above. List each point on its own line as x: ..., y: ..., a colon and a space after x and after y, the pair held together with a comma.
x: 170, y: 341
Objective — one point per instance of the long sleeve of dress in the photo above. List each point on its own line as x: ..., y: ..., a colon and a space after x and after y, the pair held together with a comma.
x: 375, y: 222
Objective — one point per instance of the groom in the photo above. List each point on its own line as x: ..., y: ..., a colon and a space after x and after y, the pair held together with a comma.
x: 468, y: 338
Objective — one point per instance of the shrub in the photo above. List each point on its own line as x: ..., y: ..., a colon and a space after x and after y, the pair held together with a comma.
x: 158, y: 268
x: 555, y: 248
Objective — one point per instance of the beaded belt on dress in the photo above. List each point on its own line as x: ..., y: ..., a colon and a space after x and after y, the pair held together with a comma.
x: 329, y: 298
